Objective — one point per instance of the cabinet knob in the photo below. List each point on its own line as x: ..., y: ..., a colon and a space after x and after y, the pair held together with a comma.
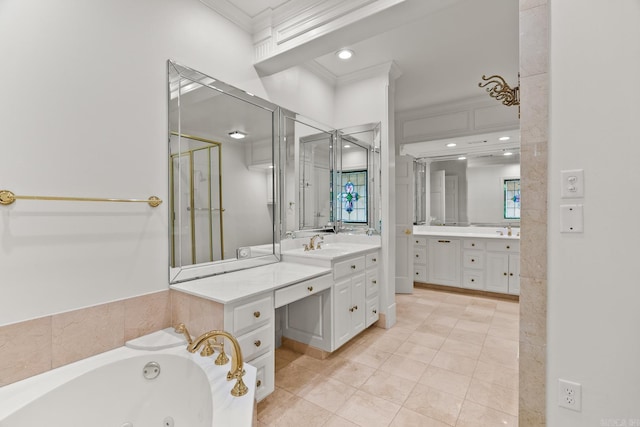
x: 257, y: 343
x: 508, y: 247
x: 473, y: 245
x: 258, y: 383
x: 417, y: 274
x: 473, y: 280
x: 353, y: 267
x: 504, y: 274
x: 510, y: 274
x: 417, y: 256
x: 473, y: 260
x: 374, y: 281
x: 256, y: 314
x: 355, y: 307
x: 351, y: 309
x: 310, y: 288
x: 374, y: 259
x: 375, y: 311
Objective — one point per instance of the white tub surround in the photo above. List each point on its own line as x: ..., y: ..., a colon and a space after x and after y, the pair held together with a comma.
x: 111, y: 389
x: 475, y: 258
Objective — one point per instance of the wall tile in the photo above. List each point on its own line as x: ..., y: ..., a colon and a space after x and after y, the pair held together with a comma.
x: 533, y: 312
x: 198, y: 314
x: 82, y: 333
x: 532, y: 385
x: 528, y: 4
x: 534, y: 109
x: 534, y: 41
x: 25, y: 350
x: 146, y: 314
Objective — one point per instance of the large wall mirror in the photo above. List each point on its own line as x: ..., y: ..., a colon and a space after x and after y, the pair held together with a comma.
x: 223, y: 176
x: 471, y: 180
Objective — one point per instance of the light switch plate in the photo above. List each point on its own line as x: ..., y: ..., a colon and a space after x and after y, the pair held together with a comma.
x: 572, y: 182
x: 571, y: 219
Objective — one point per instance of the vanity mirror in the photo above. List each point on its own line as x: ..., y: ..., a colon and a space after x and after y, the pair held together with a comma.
x: 224, y: 214
x: 472, y: 180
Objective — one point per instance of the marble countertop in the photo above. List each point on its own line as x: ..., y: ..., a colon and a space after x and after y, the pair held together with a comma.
x: 231, y: 287
x: 467, y: 232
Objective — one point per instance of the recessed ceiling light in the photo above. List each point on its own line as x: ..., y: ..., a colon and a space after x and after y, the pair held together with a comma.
x: 344, y: 54
x: 508, y: 153
x: 451, y: 144
x: 504, y: 138
x: 346, y: 146
x: 236, y: 134
x: 462, y: 158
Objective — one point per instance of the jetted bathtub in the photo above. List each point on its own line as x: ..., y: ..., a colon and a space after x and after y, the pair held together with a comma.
x: 152, y: 381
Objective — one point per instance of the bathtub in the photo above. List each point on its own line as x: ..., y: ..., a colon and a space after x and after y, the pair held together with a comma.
x: 152, y: 381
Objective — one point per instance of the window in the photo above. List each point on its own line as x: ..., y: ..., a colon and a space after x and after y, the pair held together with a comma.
x: 353, y: 198
x: 511, y: 198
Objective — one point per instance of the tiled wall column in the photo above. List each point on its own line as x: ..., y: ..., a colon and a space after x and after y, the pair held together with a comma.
x: 534, y: 84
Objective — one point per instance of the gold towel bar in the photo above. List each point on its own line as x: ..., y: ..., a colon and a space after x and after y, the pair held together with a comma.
x: 7, y: 198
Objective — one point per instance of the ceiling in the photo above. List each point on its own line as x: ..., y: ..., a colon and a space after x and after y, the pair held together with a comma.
x: 442, y: 52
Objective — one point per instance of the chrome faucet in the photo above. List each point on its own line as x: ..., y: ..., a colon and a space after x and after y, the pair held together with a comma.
x: 236, y: 372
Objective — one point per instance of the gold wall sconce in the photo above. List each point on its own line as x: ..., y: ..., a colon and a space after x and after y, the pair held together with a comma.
x: 499, y: 89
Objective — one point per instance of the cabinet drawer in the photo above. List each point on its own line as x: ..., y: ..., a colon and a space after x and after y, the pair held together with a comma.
x: 252, y: 314
x: 265, y: 367
x: 255, y: 342
x: 420, y: 255
x: 473, y: 244
x: 472, y: 280
x: 372, y: 259
x: 347, y: 267
x: 420, y: 274
x: 419, y: 240
x: 300, y: 290
x: 372, y: 282
x: 504, y: 246
x: 472, y: 259
x: 372, y: 311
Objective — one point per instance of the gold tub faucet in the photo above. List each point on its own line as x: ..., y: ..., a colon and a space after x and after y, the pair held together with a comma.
x: 236, y: 372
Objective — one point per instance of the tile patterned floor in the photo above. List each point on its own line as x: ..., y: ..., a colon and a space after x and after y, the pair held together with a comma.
x: 451, y: 360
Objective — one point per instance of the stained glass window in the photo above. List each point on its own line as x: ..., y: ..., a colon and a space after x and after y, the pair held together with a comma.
x: 512, y: 198
x: 353, y: 198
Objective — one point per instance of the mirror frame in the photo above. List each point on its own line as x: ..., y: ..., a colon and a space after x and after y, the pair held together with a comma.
x: 196, y: 271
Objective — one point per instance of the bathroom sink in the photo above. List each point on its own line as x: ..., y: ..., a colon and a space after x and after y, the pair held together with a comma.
x: 330, y: 251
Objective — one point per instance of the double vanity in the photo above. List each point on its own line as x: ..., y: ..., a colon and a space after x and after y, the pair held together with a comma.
x: 477, y: 258
x: 318, y: 299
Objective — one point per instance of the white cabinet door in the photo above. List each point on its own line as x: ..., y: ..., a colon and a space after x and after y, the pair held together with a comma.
x: 514, y: 274
x: 341, y: 313
x: 358, y: 305
x: 444, y: 261
x: 404, y: 224
x: 497, y: 273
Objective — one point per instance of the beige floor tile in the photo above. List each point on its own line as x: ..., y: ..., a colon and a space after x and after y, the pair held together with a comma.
x: 388, y: 386
x: 493, y: 396
x: 448, y: 310
x: 370, y: 356
x: 416, y: 352
x: 329, y: 394
x: 295, y: 379
x: 351, y: 373
x: 435, y: 404
x: 365, y: 409
x: 455, y: 363
x: 497, y: 374
x: 403, y: 367
x: 434, y: 329
x: 458, y: 299
x: 287, y: 354
x: 498, y: 343
x: 427, y: 340
x: 301, y: 411
x: 447, y: 381
x: 408, y: 418
x: 505, y: 331
x: 315, y: 365
x: 508, y: 359
x: 484, y: 302
x: 474, y: 415
x: 473, y: 326
x: 281, y: 363
x: 385, y: 343
x: 337, y: 421
x: 461, y: 348
x: 508, y: 307
x: 467, y: 336
x: 272, y: 407
x: 398, y: 332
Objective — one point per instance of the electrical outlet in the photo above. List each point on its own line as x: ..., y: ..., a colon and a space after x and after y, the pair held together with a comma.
x: 570, y: 395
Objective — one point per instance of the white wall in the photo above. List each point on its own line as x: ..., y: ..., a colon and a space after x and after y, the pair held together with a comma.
x: 593, y: 289
x: 84, y: 113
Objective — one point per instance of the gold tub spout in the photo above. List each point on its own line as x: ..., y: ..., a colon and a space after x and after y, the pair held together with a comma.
x: 237, y: 371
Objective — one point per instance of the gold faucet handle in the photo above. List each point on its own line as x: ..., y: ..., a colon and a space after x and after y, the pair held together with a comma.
x: 207, y: 350
x: 222, y: 358
x: 180, y: 328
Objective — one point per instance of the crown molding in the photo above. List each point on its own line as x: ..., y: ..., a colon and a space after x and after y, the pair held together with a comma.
x: 388, y: 69
x: 232, y: 13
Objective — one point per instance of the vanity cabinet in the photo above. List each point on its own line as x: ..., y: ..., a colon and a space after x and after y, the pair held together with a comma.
x: 349, y: 301
x: 485, y: 264
x: 444, y: 261
x: 251, y: 321
x: 372, y: 286
x: 420, y: 259
x: 503, y: 267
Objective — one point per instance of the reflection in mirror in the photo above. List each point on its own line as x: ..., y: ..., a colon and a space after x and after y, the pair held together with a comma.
x: 359, y: 178
x: 464, y: 184
x: 221, y: 145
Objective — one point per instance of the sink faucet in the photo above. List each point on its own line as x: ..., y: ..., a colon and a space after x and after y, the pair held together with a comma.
x: 236, y: 372
x: 312, y: 244
x: 508, y: 229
